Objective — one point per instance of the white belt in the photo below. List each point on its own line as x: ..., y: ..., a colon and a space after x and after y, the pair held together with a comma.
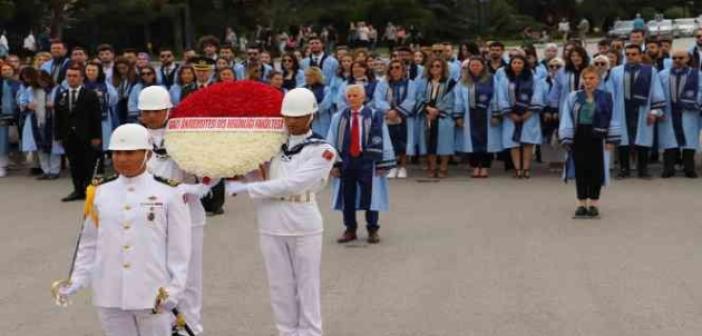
x: 307, y: 197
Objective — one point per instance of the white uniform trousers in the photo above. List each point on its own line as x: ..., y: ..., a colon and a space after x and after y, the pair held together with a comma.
x: 293, y: 267
x: 50, y: 163
x: 191, y: 302
x: 118, y: 322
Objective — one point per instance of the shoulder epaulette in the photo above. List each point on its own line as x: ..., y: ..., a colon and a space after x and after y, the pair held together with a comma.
x: 98, y: 180
x: 169, y: 182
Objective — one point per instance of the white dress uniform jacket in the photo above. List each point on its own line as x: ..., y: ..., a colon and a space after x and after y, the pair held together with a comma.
x: 141, y: 242
x: 286, y: 203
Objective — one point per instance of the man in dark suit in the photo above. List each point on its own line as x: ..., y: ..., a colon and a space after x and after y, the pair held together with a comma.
x: 78, y: 128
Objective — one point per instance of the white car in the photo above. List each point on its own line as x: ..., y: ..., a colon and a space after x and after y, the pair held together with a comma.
x: 662, y: 28
x: 686, y: 27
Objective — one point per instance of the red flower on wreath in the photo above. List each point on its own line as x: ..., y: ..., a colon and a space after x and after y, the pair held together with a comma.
x: 229, y: 100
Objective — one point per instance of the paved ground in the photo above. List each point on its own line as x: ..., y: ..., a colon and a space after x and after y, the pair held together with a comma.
x: 459, y: 257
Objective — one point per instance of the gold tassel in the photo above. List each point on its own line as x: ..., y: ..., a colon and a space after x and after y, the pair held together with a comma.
x: 88, y: 207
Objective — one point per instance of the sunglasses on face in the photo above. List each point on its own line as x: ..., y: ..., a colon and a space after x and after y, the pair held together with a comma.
x: 677, y: 58
x: 287, y: 61
x: 554, y: 66
x: 600, y: 64
x: 631, y: 54
x: 166, y: 56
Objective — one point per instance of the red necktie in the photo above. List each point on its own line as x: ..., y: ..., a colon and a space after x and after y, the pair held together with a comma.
x: 355, y: 135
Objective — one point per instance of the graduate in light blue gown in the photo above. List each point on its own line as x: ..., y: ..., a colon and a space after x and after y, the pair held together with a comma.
x: 361, y: 137
x: 520, y: 98
x: 679, y: 129
x: 253, y: 60
x: 147, y: 77
x: 314, y: 81
x: 123, y: 80
x: 342, y: 75
x: 638, y: 102
x: 318, y: 58
x: 395, y: 98
x: 8, y: 109
x: 293, y: 75
x: 107, y: 96
x: 360, y: 74
x: 437, y: 117
x: 480, y: 134
x: 38, y: 130
x: 568, y: 79
x: 653, y: 51
x: 184, y: 80
x: 587, y: 124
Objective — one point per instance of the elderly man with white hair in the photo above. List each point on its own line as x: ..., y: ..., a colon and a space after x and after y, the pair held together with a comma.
x: 360, y: 136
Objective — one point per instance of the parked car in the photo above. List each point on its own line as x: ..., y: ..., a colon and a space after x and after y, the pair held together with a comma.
x: 686, y: 27
x: 662, y: 28
x: 621, y: 29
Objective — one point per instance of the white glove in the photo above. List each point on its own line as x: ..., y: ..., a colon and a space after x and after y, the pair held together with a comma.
x: 235, y: 187
x: 64, y: 293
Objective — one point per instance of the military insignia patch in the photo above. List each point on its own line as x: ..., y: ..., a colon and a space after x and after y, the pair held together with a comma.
x: 328, y: 155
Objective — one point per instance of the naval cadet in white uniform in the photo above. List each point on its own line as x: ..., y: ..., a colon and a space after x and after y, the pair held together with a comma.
x: 154, y: 106
x: 135, y: 241
x: 290, y: 224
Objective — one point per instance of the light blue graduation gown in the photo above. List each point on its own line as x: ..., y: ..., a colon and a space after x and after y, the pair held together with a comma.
x: 406, y: 108
x: 531, y: 129
x: 322, y: 119
x: 240, y: 70
x: 28, y: 141
x: 446, y: 144
x: 568, y: 126
x: 9, y: 107
x: 562, y: 87
x: 691, y: 119
x: 656, y: 100
x: 464, y: 142
x: 380, y: 195
x: 329, y: 67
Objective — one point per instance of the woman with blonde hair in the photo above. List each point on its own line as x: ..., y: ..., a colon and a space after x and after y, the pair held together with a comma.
x: 314, y: 81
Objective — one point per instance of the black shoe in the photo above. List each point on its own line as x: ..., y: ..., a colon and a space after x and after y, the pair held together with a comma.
x: 667, y: 174
x: 645, y: 176
x: 35, y: 171
x: 373, y: 237
x: 581, y: 212
x: 593, y: 212
x: 43, y: 177
x: 691, y: 174
x: 52, y: 177
x: 349, y: 235
x: 624, y: 174
x: 74, y: 196
x: 218, y: 212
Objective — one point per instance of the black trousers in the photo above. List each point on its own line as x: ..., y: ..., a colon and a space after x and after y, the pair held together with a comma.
x: 588, y: 156
x: 480, y: 160
x: 83, y: 158
x: 641, y: 161
x: 357, y: 177
x: 671, y: 157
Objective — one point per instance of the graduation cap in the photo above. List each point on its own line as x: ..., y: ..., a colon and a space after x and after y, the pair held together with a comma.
x: 202, y: 63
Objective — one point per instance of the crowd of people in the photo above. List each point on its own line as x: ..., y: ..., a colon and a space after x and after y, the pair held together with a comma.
x: 439, y: 103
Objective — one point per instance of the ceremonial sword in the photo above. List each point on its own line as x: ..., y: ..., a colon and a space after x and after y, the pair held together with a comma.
x: 67, y: 282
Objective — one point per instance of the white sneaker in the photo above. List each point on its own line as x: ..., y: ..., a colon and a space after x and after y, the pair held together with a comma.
x: 402, y: 173
x: 392, y: 173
